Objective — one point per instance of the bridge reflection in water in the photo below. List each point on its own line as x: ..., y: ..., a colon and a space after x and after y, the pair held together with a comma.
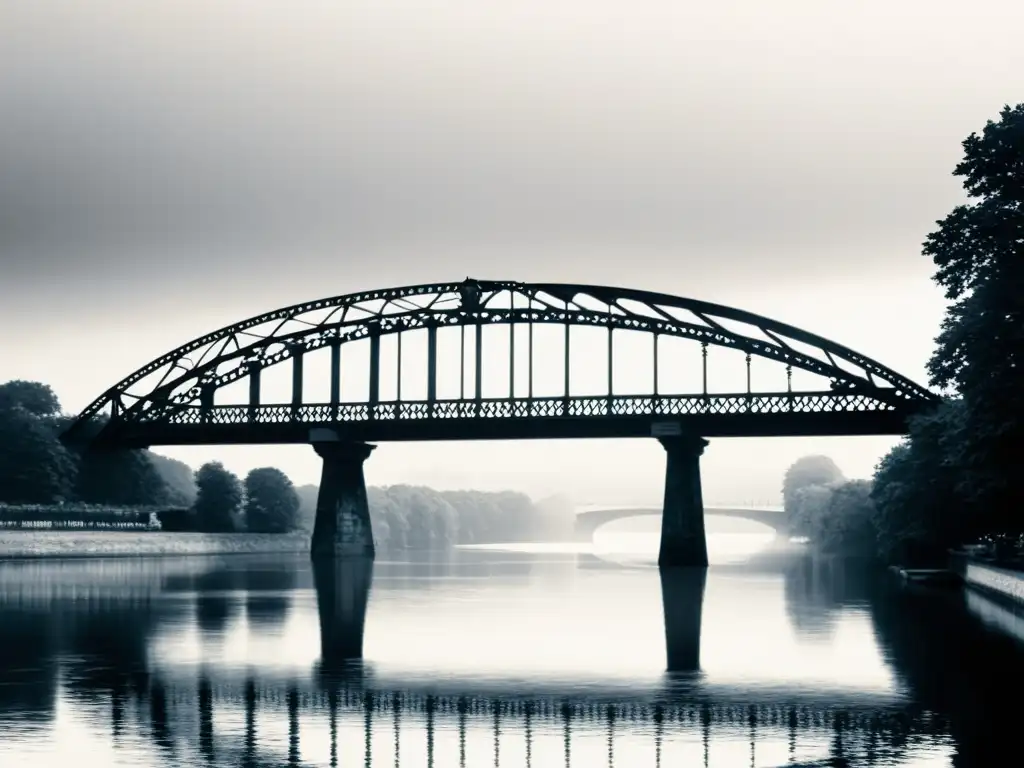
x: 94, y: 641
x: 346, y: 716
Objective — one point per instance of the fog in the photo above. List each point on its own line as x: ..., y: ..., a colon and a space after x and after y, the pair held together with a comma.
x: 171, y: 168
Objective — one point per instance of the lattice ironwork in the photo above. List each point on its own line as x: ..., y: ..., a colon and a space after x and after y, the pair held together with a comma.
x: 178, y: 388
x: 526, y: 408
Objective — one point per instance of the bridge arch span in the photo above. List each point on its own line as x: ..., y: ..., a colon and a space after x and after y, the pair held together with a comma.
x: 171, y: 400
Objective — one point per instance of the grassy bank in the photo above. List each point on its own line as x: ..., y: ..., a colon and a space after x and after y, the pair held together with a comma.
x: 26, y: 544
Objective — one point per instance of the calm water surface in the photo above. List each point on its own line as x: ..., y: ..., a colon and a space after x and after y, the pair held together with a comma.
x: 532, y: 655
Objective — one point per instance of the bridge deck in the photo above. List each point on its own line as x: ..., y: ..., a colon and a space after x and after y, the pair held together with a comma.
x: 712, y: 415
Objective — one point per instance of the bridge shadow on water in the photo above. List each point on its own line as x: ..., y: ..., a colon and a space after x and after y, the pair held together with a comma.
x: 90, y: 634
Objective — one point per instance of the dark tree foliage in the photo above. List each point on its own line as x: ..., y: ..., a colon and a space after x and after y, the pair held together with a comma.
x: 918, y: 511
x: 219, y: 499
x: 415, y: 517
x: 272, y: 505
x: 427, y: 520
x: 119, y: 478
x: 978, y: 252
x: 307, y: 505
x: 34, y: 467
x: 178, y: 477
x: 806, y: 508
x: 33, y: 396
x: 847, y: 526
x: 804, y: 473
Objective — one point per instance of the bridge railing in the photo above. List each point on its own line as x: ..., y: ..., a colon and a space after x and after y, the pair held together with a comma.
x: 521, y: 407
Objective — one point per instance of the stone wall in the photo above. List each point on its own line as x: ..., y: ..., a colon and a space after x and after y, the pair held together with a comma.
x: 999, y: 580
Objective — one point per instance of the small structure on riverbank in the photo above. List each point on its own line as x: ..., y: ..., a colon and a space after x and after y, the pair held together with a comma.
x: 940, y: 577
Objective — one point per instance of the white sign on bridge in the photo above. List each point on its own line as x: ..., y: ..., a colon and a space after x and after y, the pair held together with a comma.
x: 666, y: 429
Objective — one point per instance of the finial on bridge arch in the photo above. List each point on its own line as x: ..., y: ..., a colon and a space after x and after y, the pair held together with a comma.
x: 470, y: 292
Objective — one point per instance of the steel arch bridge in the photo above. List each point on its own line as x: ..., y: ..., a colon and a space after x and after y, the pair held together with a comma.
x: 173, y: 400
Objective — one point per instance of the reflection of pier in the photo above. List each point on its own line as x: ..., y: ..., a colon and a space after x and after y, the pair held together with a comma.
x: 682, y: 598
x: 342, y: 594
x: 360, y: 713
x: 343, y: 588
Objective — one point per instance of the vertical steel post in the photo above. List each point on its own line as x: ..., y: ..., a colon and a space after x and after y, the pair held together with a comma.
x: 206, y: 392
x: 431, y: 368
x: 398, y: 375
x: 374, y: 372
x: 611, y: 364
x: 529, y: 373
x: 511, y: 361
x: 297, y: 357
x: 568, y: 381
x: 335, y: 377
x: 657, y: 373
x: 255, y: 369
x: 479, y: 374
x: 704, y: 365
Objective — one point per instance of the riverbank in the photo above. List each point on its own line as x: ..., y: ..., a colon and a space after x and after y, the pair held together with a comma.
x: 34, y: 544
x: 1007, y: 584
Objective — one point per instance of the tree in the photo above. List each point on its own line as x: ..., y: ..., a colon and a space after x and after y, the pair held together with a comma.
x: 807, y: 507
x: 919, y: 514
x: 804, y: 472
x: 978, y: 252
x: 34, y: 467
x: 120, y: 477
x: 272, y: 505
x: 847, y: 524
x: 431, y: 521
x: 307, y: 505
x: 218, y: 500
x: 35, y: 397
x: 177, y: 476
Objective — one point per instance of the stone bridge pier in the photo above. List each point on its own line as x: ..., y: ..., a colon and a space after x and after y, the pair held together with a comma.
x: 342, y: 528
x: 683, y: 541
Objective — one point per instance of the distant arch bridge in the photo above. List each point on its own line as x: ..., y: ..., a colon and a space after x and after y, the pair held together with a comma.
x: 589, y: 519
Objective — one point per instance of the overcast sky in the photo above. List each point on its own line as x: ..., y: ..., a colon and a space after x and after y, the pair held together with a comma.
x: 167, y: 168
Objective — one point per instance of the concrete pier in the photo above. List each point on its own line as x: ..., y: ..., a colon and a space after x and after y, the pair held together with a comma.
x: 342, y: 528
x: 683, y: 543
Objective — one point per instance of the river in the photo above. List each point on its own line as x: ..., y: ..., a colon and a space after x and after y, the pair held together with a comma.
x: 520, y: 655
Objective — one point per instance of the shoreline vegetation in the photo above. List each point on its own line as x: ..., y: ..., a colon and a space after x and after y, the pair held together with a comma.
x: 37, y: 544
x: 52, y: 489
x: 953, y: 482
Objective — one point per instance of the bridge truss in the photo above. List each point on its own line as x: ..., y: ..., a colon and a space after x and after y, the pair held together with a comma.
x: 177, y: 398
